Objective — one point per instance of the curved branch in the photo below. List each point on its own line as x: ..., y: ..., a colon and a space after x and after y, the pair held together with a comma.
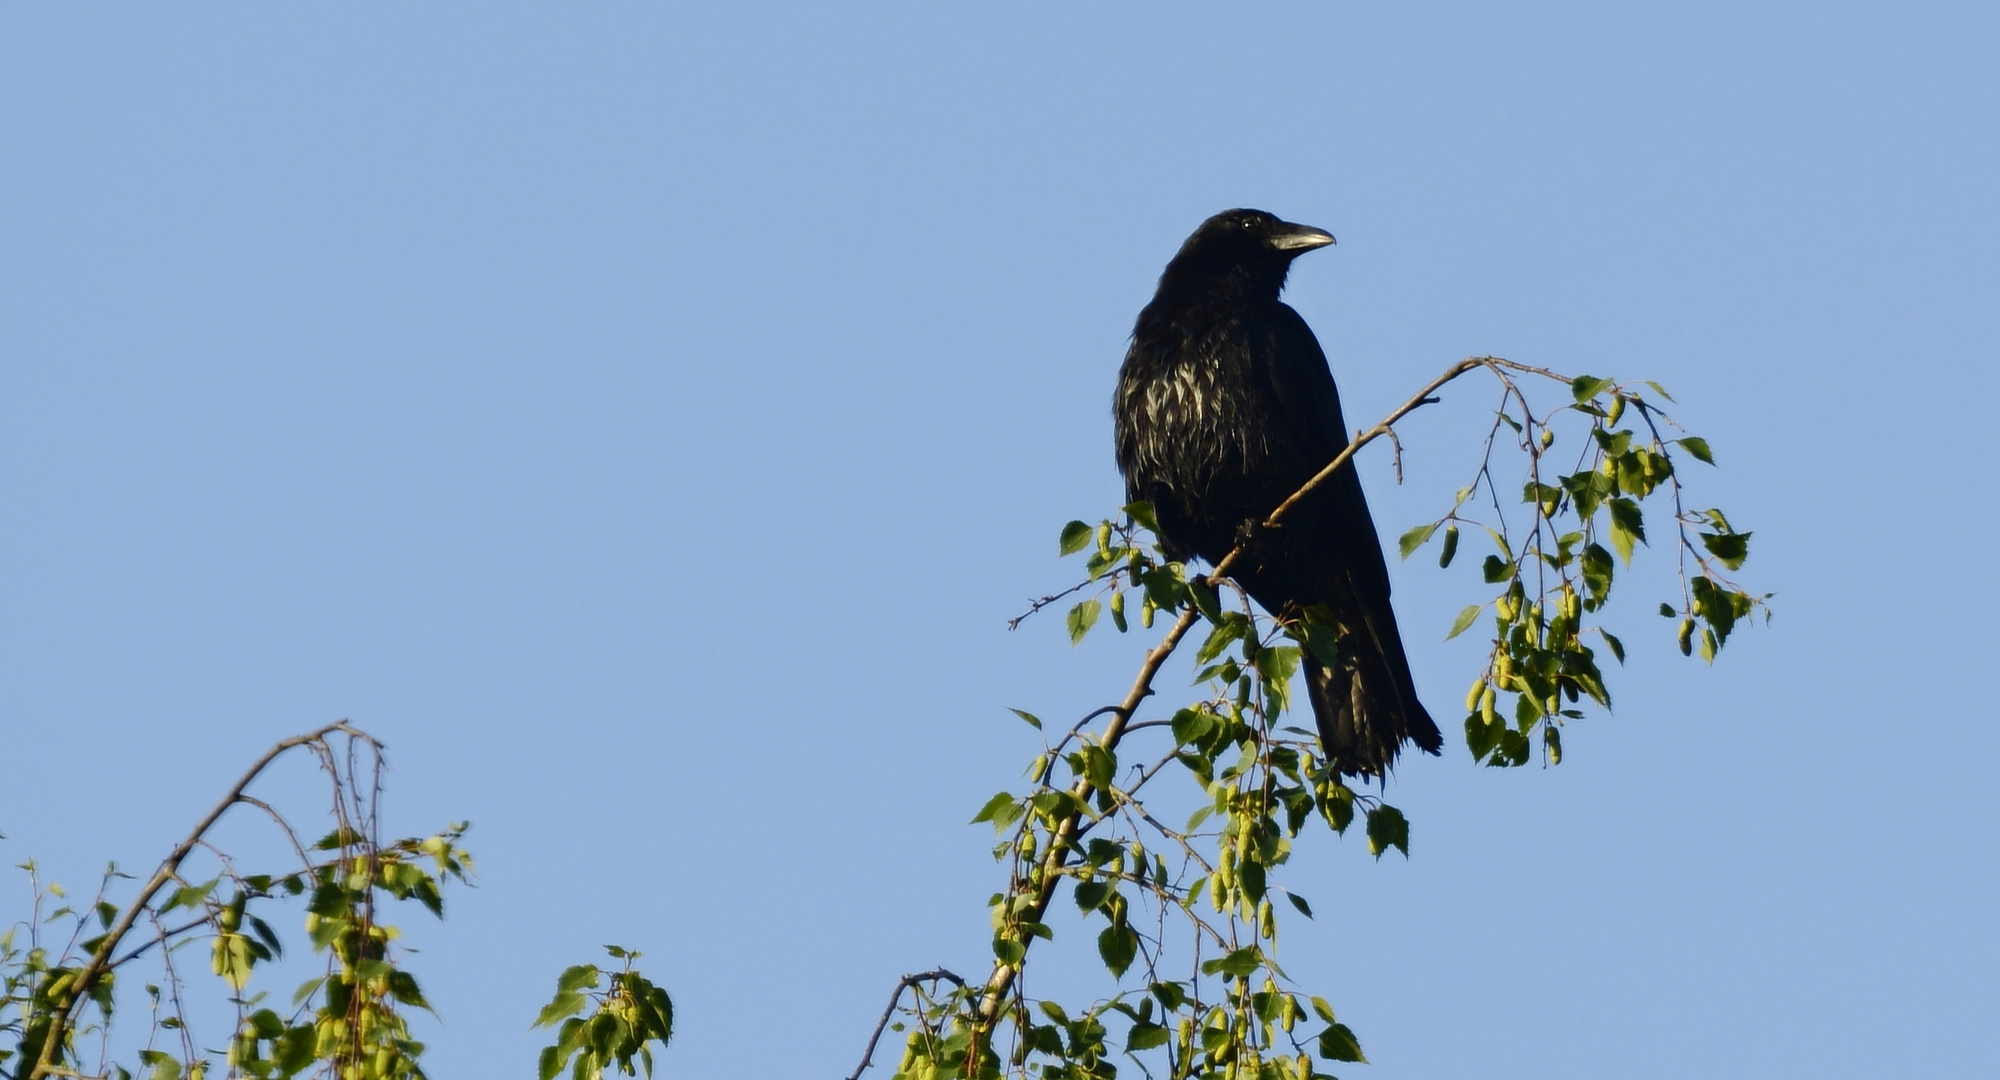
x: 905, y: 983
x: 100, y: 958
x: 1004, y: 974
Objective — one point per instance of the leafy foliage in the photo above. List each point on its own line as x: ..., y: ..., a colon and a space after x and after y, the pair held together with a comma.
x: 624, y: 1020
x: 1554, y: 569
x: 349, y: 1022
x: 1187, y: 917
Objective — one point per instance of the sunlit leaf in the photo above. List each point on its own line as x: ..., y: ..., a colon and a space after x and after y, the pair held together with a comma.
x: 1081, y: 618
x: 1415, y: 538
x: 1585, y: 387
x: 1627, y: 526
x: 1118, y: 945
x: 1698, y: 447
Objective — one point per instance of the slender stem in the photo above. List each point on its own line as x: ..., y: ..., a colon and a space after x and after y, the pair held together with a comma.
x: 100, y: 958
x: 905, y: 983
x: 1050, y: 876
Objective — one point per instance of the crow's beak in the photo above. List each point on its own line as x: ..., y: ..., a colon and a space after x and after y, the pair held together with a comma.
x: 1301, y: 239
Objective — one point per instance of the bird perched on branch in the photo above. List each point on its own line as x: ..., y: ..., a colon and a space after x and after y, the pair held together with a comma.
x: 1225, y: 407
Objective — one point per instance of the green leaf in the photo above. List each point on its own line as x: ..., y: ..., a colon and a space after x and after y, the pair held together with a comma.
x: 1336, y: 805
x: 1100, y: 766
x: 403, y: 986
x: 1141, y: 513
x: 1387, y: 828
x: 1300, y: 903
x: 1480, y: 736
x: 1081, y: 618
x: 1145, y: 1037
x: 1415, y: 539
x: 1627, y: 525
x: 566, y: 1004
x: 1585, y: 387
x: 994, y: 806
x: 1033, y: 720
x: 1230, y: 628
x: 190, y: 897
x: 1337, y: 1043
x: 1731, y: 548
x: 1118, y: 945
x: 1464, y: 620
x: 1698, y: 447
x: 577, y: 978
x: 1660, y: 390
x: 1495, y: 571
x: 1240, y: 963
x: 1007, y: 950
x: 1205, y: 599
x: 1617, y: 646
x: 1090, y: 895
x: 1191, y: 725
x: 1276, y: 665
x: 1075, y: 537
x: 1598, y: 570
x: 165, y: 1067
x: 1316, y: 630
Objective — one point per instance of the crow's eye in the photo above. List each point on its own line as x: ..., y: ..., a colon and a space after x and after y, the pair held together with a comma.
x: 1249, y: 224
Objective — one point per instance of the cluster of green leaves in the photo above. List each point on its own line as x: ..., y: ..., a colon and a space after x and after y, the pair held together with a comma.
x: 351, y: 1017
x: 1553, y: 569
x: 33, y: 981
x: 1209, y: 999
x: 1121, y: 559
x: 349, y: 1022
x: 625, y: 1019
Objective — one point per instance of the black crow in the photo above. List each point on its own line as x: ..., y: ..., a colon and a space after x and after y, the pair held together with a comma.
x: 1225, y: 407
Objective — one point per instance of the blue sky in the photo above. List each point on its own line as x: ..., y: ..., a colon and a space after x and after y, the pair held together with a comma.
x: 645, y: 420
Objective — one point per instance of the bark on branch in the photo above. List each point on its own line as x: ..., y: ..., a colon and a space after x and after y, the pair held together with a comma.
x: 907, y: 981
x: 100, y: 958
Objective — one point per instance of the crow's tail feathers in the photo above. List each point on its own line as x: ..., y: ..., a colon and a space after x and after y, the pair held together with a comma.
x: 1367, y: 707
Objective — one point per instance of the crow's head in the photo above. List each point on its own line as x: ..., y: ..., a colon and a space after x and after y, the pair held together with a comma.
x: 1241, y: 250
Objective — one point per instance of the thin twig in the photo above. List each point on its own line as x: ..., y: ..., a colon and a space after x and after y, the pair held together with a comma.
x: 1004, y: 974
x: 905, y: 983
x: 1037, y: 605
x: 1075, y: 729
x: 100, y: 958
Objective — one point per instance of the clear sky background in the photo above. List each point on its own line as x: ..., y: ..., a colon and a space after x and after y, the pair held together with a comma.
x: 645, y: 421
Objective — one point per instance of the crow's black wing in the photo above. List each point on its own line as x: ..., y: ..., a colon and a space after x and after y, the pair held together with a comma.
x: 1310, y: 432
x: 1366, y: 705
